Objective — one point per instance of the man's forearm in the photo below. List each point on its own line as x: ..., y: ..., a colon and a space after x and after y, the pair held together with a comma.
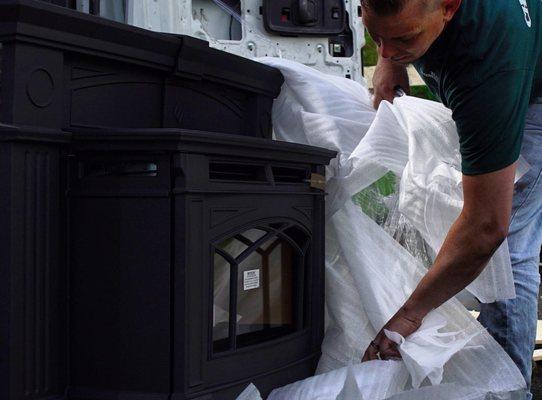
x: 465, y: 253
x: 392, y: 72
x: 387, y: 75
x: 389, y: 65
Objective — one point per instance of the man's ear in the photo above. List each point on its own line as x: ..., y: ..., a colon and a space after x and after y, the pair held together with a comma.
x: 449, y: 8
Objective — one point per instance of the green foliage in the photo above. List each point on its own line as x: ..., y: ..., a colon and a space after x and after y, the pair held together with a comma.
x: 370, y: 57
x: 372, y: 199
x: 386, y: 184
x: 423, y: 92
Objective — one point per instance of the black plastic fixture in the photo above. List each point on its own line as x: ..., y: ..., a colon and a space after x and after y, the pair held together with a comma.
x: 304, y: 17
x: 155, y: 242
x: 342, y: 45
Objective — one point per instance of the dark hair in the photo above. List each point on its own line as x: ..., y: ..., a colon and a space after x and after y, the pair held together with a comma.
x: 385, y: 7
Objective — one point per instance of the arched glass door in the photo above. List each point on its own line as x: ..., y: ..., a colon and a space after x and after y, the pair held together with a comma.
x: 258, y: 285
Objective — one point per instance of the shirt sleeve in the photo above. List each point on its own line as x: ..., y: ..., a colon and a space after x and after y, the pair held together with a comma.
x: 490, y: 119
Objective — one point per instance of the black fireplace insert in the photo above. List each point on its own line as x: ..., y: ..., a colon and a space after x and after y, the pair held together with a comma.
x: 155, y: 242
x: 206, y: 252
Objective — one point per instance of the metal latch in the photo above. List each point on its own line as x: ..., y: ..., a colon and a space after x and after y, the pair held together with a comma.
x: 318, y: 181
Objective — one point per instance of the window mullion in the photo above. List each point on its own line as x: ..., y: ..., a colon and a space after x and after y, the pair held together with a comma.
x: 300, y: 283
x: 234, y: 271
x: 256, y: 244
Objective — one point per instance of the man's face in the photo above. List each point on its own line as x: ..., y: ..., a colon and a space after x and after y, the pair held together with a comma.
x: 406, y: 36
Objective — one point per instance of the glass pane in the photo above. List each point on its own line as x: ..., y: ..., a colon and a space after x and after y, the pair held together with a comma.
x: 113, y: 9
x: 236, y: 245
x: 265, y: 298
x: 253, y: 234
x: 233, y: 246
x: 221, y: 303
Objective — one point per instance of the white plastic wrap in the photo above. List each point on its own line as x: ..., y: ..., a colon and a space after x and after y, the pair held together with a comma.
x: 250, y: 393
x: 431, y: 194
x: 415, y: 139
x: 380, y: 380
x: 373, y: 380
x: 350, y: 388
x: 371, y: 269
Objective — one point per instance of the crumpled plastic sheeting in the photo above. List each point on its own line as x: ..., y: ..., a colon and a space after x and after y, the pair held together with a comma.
x: 350, y: 388
x: 431, y: 192
x: 384, y: 274
x: 374, y: 380
x: 369, y: 275
x: 424, y: 344
x: 370, y: 381
x: 415, y: 139
x: 250, y: 393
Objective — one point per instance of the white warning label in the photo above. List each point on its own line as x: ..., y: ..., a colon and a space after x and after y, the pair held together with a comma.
x: 251, y: 279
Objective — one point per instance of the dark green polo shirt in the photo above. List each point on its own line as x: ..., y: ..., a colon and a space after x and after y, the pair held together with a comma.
x: 486, y: 67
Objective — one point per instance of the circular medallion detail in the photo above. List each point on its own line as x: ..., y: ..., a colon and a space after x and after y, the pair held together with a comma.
x: 40, y: 88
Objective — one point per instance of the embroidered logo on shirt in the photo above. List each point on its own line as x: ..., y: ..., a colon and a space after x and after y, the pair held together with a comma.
x: 526, y: 13
x: 431, y: 75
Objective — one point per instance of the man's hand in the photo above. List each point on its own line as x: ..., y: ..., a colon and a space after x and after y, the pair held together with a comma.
x: 387, y: 76
x: 404, y: 324
x: 476, y: 234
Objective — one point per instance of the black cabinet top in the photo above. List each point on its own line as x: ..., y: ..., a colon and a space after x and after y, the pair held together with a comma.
x: 198, y: 142
x: 59, y: 27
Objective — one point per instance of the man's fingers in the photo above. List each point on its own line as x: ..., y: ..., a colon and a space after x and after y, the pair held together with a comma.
x: 388, y: 349
x: 381, y: 348
x: 370, y: 354
x: 389, y: 95
x: 390, y: 354
x: 376, y: 101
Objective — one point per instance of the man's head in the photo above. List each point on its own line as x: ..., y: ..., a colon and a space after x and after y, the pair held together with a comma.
x: 404, y: 30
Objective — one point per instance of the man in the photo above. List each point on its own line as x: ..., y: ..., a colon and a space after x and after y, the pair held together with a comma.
x: 482, y: 58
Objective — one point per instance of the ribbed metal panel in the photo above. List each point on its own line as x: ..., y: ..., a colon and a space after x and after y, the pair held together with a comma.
x: 37, y: 295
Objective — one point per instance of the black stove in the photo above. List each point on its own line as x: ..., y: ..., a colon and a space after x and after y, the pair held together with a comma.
x: 155, y: 243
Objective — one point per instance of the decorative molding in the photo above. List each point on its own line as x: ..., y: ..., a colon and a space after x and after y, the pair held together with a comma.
x: 40, y: 88
x: 222, y: 215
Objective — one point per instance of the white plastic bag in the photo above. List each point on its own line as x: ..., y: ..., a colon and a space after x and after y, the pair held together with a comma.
x: 413, y: 138
x: 369, y: 274
x: 373, y: 380
x: 250, y: 393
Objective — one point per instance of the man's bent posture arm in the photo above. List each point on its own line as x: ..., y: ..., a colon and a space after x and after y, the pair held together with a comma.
x: 476, y: 234
x: 387, y: 76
